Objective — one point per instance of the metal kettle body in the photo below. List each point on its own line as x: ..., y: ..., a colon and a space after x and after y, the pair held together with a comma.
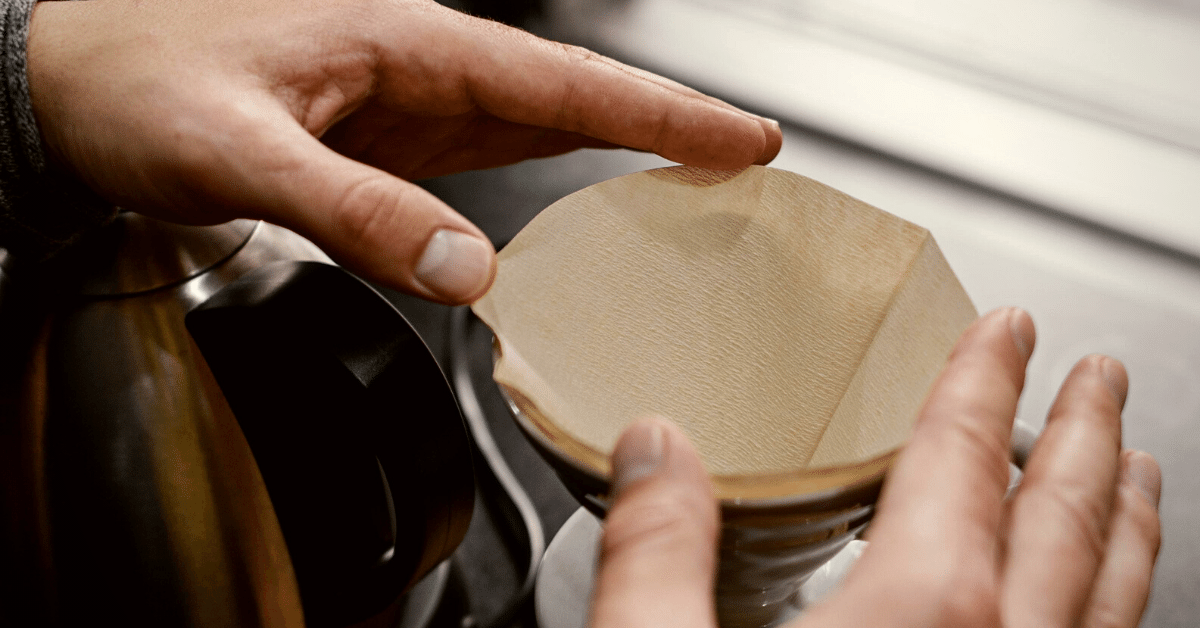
x: 212, y: 426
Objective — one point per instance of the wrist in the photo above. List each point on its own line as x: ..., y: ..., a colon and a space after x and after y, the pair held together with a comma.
x: 45, y: 205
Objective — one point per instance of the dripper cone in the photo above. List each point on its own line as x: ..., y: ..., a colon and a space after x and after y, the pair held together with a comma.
x: 792, y: 331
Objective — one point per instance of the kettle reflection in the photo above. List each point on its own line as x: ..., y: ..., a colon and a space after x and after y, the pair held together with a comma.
x: 213, y: 426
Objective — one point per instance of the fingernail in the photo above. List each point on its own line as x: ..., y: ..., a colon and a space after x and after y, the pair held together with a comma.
x: 1114, y: 375
x: 774, y: 142
x: 638, y: 454
x: 455, y: 266
x: 761, y: 120
x: 1141, y: 470
x: 1021, y: 326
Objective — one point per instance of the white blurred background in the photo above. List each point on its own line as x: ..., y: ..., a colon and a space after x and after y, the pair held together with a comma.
x: 1091, y: 107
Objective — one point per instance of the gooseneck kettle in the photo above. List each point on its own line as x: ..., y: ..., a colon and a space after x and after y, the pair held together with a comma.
x: 214, y: 426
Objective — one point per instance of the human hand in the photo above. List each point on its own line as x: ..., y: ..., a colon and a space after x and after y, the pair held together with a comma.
x: 1074, y: 546
x: 312, y: 113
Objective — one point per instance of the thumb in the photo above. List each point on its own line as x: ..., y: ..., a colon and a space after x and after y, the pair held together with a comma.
x: 378, y: 225
x: 658, y: 552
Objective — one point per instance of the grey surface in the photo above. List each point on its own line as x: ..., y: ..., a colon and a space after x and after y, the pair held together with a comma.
x: 1088, y: 289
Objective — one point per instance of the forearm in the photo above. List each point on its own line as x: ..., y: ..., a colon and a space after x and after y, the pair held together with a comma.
x: 42, y: 208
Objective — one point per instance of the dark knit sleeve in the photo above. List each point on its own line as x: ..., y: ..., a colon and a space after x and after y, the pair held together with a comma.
x: 42, y: 207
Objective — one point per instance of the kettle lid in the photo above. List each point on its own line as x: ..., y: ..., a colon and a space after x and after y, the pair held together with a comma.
x: 136, y: 253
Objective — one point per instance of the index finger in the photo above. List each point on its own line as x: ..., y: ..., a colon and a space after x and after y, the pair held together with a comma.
x: 938, y: 519
x: 522, y: 78
x: 955, y: 466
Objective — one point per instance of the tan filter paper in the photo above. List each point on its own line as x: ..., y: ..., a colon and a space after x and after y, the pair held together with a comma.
x: 782, y: 324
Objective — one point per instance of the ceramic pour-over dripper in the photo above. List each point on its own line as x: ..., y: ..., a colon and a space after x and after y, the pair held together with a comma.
x: 790, y: 330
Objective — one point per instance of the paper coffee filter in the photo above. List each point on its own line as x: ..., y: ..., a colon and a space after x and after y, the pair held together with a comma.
x: 783, y: 325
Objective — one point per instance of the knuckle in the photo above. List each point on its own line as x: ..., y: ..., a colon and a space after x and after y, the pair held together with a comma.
x: 1082, y: 513
x: 963, y: 593
x: 196, y: 152
x: 569, y: 117
x: 977, y: 434
x: 202, y: 163
x: 1104, y: 613
x: 662, y: 132
x: 970, y: 427
x: 1143, y: 518
x: 577, y: 54
x: 969, y: 603
x: 365, y: 209
x: 976, y: 353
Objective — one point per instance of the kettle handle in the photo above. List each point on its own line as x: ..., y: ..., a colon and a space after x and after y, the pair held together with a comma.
x: 355, y: 431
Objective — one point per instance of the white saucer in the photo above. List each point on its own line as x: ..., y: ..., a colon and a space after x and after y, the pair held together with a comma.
x: 564, y: 585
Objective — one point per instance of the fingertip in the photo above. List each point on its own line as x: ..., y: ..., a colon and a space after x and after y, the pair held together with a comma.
x: 1117, y: 378
x: 456, y: 267
x: 655, y: 446
x: 1142, y: 471
x: 658, y: 549
x: 1024, y: 333
x: 1006, y: 334
x: 774, y: 141
x: 638, y: 453
x: 1100, y: 369
x: 717, y: 138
